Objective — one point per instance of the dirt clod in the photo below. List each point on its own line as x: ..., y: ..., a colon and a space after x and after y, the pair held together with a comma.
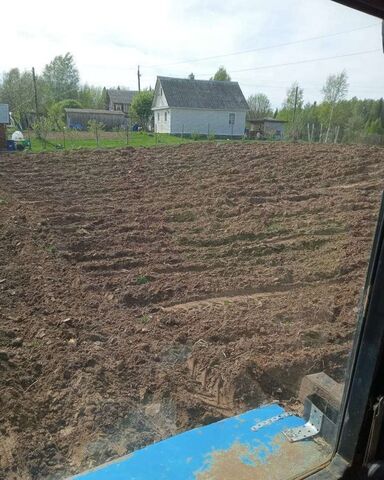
x: 160, y: 289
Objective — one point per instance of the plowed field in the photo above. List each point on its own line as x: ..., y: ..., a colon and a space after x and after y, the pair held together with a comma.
x: 147, y: 291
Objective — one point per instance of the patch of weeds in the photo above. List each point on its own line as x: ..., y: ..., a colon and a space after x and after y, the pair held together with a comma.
x: 3, y: 201
x: 144, y: 319
x: 35, y: 343
x: 142, y: 279
x: 51, y: 249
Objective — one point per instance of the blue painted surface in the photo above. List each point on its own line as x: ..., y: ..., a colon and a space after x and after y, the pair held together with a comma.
x: 183, y: 456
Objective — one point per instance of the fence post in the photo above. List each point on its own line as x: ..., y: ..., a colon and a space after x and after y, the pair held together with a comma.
x: 182, y: 131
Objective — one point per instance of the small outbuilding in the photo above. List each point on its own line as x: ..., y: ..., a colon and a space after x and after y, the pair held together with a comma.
x: 203, y: 107
x: 4, y: 121
x: 119, y: 100
x: 78, y: 118
x: 267, y: 127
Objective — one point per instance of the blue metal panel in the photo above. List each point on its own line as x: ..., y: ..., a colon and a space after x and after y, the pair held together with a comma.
x: 189, y: 454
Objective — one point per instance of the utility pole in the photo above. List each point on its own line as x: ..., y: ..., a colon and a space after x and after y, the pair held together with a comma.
x: 35, y: 91
x: 138, y: 77
x: 295, y: 107
x: 294, y: 113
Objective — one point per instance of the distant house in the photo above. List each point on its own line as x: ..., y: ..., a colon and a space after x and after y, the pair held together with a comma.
x: 205, y: 107
x: 119, y: 100
x: 78, y: 118
x: 270, y: 127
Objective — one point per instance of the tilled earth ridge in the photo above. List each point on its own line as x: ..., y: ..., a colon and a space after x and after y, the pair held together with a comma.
x: 144, y: 292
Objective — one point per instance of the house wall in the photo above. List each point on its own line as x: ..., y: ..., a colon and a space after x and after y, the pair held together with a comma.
x: 160, y: 101
x: 268, y: 128
x: 274, y: 127
x: 115, y: 106
x: 80, y: 120
x: 162, y: 125
x: 203, y: 122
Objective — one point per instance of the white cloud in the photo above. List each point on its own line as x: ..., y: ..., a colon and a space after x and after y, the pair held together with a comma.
x: 109, y: 41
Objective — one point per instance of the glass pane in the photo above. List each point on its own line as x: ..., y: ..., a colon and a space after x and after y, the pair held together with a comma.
x: 203, y: 291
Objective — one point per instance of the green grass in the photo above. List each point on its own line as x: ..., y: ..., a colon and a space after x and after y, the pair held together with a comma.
x: 51, y: 249
x: 144, y: 319
x: 76, y: 140
x: 142, y: 280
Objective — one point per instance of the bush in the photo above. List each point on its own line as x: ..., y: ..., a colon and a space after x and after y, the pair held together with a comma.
x: 195, y: 136
x: 57, y: 113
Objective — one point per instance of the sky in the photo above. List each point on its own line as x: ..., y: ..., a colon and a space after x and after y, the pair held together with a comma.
x: 265, y: 45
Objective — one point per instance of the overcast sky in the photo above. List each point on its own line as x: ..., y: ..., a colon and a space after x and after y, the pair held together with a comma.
x: 109, y: 40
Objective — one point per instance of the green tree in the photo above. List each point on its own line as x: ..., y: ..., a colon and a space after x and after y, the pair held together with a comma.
x: 291, y: 110
x: 221, y: 74
x: 61, y: 78
x: 191, y: 76
x: 42, y: 126
x: 57, y: 113
x: 91, y: 97
x: 291, y: 100
x: 259, y: 106
x: 141, y: 108
x: 334, y: 90
x: 17, y: 90
x: 375, y: 127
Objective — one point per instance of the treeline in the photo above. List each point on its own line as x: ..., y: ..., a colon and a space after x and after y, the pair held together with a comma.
x: 58, y: 85
x: 334, y: 119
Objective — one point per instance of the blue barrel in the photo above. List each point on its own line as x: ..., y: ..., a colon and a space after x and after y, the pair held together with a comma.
x: 11, y: 145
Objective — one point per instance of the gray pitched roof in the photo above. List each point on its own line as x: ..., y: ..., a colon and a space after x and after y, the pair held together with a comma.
x: 212, y: 94
x: 121, y: 96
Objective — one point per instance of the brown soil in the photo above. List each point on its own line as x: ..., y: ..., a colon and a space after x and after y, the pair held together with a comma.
x: 144, y: 292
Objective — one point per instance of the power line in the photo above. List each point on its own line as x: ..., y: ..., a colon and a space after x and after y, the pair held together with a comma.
x: 311, y: 60
x: 269, y: 47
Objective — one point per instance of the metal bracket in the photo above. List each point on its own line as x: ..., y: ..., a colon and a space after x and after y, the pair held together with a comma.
x: 310, y: 429
x: 374, y: 434
x: 271, y: 420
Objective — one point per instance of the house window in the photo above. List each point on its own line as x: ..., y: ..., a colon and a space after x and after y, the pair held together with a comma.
x: 158, y: 116
x: 231, y: 119
x: 165, y: 116
x: 161, y: 92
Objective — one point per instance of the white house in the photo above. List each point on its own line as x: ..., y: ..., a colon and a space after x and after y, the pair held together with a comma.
x: 205, y: 107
